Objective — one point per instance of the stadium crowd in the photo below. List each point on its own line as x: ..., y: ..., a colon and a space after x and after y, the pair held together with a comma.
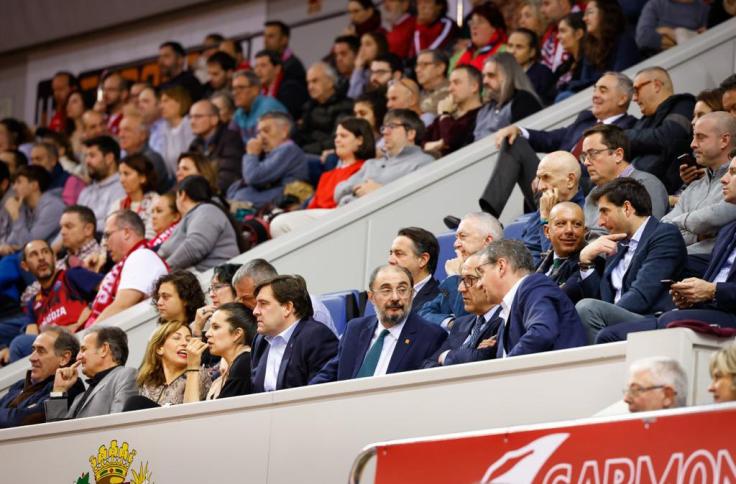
x: 630, y: 223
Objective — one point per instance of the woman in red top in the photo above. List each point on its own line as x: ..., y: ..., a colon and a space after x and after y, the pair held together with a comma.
x: 487, y: 36
x: 354, y: 143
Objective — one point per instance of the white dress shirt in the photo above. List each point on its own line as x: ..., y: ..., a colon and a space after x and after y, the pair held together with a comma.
x: 419, y: 285
x: 277, y: 347
x: 722, y: 275
x: 389, y: 344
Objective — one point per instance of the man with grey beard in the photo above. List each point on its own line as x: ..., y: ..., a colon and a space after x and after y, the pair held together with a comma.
x: 392, y: 341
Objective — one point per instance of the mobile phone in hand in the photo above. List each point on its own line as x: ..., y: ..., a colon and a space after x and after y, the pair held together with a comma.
x: 687, y: 159
x: 667, y: 282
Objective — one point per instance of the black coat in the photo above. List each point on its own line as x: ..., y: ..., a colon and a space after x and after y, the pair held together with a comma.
x: 316, y: 131
x: 226, y: 148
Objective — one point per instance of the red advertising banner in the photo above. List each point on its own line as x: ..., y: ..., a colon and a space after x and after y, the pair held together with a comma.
x: 684, y: 448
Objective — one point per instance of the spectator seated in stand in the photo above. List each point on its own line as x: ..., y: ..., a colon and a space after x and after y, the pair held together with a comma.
x: 417, y: 250
x: 276, y: 37
x: 192, y: 164
x: 431, y: 71
x: 221, y: 291
x: 221, y: 146
x: 291, y: 347
x: 206, y: 236
x: 364, y: 17
x: 37, y: 215
x: 115, y: 92
x: 323, y: 110
x: 46, y: 154
x: 487, y: 36
x: 136, y: 268
x: 723, y: 374
x: 177, y: 132
x: 433, y: 29
x: 53, y: 348
x: 149, y: 107
x: 344, y: 55
x: 177, y: 296
x: 354, y: 144
x: 138, y: 178
x: 165, y: 217
x: 251, y: 104
x: 134, y: 139
x: 272, y: 162
x: 508, y: 95
x: 384, y: 69
x: 102, y: 356
x: 453, y: 127
x: 571, y: 33
x: 640, y: 253
x: 666, y: 23
x: 220, y: 68
x: 517, y: 160
x: 372, y: 45
x: 472, y: 337
x: 291, y: 92
x: 101, y: 156
x: 535, y: 314
x: 165, y: 377
x: 655, y: 383
x: 728, y: 87
x: 402, y: 132
x: 393, y: 340
x: 399, y: 24
x: 404, y: 94
x: 552, y: 51
x: 523, y: 44
x: 63, y: 300
x: 371, y: 107
x: 475, y: 231
x: 171, y: 63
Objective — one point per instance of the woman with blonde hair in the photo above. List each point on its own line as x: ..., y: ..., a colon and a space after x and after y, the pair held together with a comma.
x: 723, y: 374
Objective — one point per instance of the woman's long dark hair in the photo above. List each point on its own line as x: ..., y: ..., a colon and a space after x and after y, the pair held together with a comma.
x: 598, y: 48
x: 361, y: 129
x: 197, y: 188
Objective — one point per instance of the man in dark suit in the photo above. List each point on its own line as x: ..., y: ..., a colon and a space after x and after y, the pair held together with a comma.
x: 711, y: 299
x: 640, y: 253
x: 535, y: 314
x: 392, y: 341
x: 566, y: 231
x: 290, y: 347
x: 517, y: 160
x: 103, y: 354
x: 472, y: 337
x: 417, y: 251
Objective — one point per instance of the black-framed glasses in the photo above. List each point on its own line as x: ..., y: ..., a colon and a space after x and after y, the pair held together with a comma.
x: 389, y: 126
x: 107, y: 235
x: 469, y: 281
x: 636, y: 390
x: 590, y: 154
x: 216, y: 286
x: 638, y: 88
x: 480, y: 274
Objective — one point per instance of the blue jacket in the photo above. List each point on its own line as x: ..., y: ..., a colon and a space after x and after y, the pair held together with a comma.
x: 30, y: 408
x: 566, y: 138
x: 426, y: 294
x: 417, y: 341
x: 660, y: 254
x: 725, y: 299
x: 533, y: 234
x: 311, y: 345
x: 455, y: 342
x: 542, y: 319
x: 447, y: 304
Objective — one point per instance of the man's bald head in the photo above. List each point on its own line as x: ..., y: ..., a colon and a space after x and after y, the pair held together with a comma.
x: 722, y: 122
x: 559, y: 171
x: 566, y: 228
x: 567, y: 209
x: 563, y: 161
x: 714, y: 136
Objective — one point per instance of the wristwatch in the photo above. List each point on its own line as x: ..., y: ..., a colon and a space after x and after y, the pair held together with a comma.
x: 57, y: 394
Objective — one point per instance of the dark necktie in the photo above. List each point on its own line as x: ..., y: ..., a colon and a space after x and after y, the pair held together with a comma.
x: 368, y: 368
x: 475, y: 332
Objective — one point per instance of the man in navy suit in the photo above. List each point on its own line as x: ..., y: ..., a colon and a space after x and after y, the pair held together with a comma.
x: 417, y: 251
x: 392, y: 341
x: 475, y: 231
x: 711, y: 299
x: 472, y: 337
x: 535, y: 314
x: 517, y: 160
x: 290, y: 347
x: 640, y: 253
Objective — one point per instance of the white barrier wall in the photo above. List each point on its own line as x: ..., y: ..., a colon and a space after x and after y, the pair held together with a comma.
x: 312, y: 434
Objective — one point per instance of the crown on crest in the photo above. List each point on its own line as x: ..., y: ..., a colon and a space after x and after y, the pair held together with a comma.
x: 111, y: 465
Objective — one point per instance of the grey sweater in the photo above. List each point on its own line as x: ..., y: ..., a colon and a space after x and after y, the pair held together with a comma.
x: 383, y: 170
x: 668, y: 13
x: 203, y: 239
x: 701, y: 212
x: 41, y: 223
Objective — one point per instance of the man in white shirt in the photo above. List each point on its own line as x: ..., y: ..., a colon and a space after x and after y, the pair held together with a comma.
x: 417, y: 250
x: 290, y: 347
x: 640, y: 253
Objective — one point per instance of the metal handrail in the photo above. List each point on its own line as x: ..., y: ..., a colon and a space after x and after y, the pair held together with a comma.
x: 356, y: 471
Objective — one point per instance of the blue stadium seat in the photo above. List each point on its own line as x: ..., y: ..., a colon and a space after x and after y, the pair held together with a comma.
x: 343, y: 307
x: 515, y: 229
x: 446, y: 240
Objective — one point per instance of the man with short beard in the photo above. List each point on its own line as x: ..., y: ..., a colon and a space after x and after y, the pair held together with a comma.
x: 172, y: 64
x: 392, y: 341
x: 114, y: 96
x: 101, y: 155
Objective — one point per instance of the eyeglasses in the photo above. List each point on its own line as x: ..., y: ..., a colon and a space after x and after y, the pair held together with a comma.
x: 107, y: 235
x: 241, y: 88
x: 380, y: 72
x: 590, y: 154
x: 469, y: 281
x: 480, y: 274
x: 638, y: 88
x: 636, y: 390
x: 389, y: 126
x: 402, y: 291
x: 217, y: 286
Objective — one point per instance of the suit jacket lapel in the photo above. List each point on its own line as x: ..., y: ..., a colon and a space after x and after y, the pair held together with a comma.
x: 364, y: 342
x: 102, y: 384
x: 261, y: 358
x: 633, y: 268
x: 287, y: 355
x: 403, y: 345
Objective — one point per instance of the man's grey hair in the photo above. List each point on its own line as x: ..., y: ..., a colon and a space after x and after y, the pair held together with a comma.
x: 438, y: 57
x: 226, y: 97
x: 116, y: 339
x: 387, y: 267
x: 664, y: 371
x: 485, y: 223
x: 128, y: 219
x: 514, y: 78
x: 50, y: 148
x: 65, y: 341
x: 259, y: 270
x: 624, y: 83
x: 329, y: 71
x: 249, y: 76
x: 214, y: 110
x: 658, y: 73
x: 514, y: 252
x: 282, y: 118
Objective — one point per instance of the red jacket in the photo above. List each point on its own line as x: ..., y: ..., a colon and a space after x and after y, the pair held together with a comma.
x: 401, y: 35
x: 324, y: 195
x: 477, y: 57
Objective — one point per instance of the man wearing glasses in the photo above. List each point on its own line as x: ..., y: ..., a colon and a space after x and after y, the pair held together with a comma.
x: 391, y: 341
x: 402, y: 131
x: 655, y: 383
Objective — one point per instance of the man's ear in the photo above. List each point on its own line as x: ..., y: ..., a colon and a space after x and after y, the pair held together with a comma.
x: 66, y: 358
x: 670, y: 396
x: 546, y: 230
x: 24, y: 266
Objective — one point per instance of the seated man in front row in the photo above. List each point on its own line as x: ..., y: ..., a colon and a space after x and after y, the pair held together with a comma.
x: 392, y: 341
x: 711, y: 299
x: 54, y: 348
x: 472, y: 337
x: 103, y: 354
x: 535, y: 315
x: 271, y: 161
x: 641, y: 252
x: 655, y: 383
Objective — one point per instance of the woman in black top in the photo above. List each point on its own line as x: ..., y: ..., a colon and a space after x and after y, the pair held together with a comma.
x: 230, y: 336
